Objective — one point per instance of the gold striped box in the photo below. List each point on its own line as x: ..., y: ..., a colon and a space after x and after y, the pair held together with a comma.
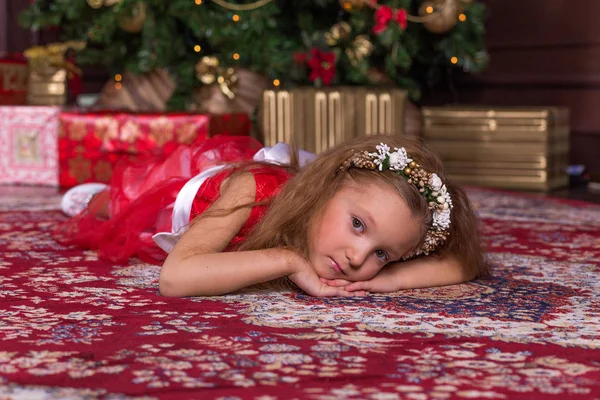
x: 47, y: 86
x: 522, y: 148
x: 317, y: 119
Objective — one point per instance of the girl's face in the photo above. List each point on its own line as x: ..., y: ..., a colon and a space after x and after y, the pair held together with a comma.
x: 363, y: 227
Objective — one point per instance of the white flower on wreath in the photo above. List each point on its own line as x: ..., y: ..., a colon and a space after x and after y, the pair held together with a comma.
x: 435, y: 182
x: 383, y: 151
x: 441, y: 219
x: 444, y: 198
x: 399, y: 159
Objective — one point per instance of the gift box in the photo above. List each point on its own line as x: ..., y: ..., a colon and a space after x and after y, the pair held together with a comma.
x: 13, y: 80
x: 318, y: 119
x: 238, y: 124
x: 508, y: 147
x: 28, y: 145
x: 90, y: 144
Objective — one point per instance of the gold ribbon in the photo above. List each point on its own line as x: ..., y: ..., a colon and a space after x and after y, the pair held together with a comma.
x: 242, y: 7
x: 53, y: 55
x: 360, y: 49
x: 337, y: 32
x: 209, y: 72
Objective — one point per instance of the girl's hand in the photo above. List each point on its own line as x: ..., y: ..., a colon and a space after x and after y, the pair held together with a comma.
x: 383, y: 282
x: 307, y: 280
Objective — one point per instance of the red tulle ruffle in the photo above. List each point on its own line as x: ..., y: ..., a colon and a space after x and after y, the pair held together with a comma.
x: 141, y: 197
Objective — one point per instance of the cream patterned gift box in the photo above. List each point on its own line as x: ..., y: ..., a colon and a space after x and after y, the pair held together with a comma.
x: 29, y: 145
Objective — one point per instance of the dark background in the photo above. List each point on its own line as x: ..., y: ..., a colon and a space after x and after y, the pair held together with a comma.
x: 542, y: 52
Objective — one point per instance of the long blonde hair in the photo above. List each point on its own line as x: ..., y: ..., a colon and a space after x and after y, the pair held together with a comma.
x: 289, y: 215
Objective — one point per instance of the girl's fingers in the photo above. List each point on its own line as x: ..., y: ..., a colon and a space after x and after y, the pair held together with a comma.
x: 335, y: 282
x: 346, y: 293
x: 354, y: 286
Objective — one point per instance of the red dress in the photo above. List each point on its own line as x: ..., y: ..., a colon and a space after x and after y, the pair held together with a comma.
x: 142, y: 195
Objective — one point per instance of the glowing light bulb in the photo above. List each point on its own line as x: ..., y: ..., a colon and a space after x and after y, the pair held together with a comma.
x: 462, y: 17
x: 235, y: 18
x: 276, y: 82
x: 118, y: 77
x: 236, y: 56
x: 197, y: 48
x: 454, y: 60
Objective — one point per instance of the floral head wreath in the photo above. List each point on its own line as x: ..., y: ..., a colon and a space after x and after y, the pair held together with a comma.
x: 429, y: 185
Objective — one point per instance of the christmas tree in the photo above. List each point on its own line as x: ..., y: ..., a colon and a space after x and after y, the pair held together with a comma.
x: 402, y: 43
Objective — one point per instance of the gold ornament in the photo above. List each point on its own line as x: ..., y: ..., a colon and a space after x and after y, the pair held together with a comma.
x: 95, y: 4
x: 350, y: 5
x: 360, y: 49
x: 444, y: 16
x: 136, y: 20
x: 339, y: 31
x: 209, y: 72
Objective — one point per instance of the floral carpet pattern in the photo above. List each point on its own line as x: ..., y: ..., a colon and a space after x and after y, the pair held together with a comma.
x: 75, y: 327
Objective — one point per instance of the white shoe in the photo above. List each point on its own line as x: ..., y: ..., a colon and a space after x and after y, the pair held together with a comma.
x: 76, y: 199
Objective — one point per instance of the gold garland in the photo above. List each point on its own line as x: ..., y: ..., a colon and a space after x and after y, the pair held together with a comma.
x: 242, y: 7
x: 411, y: 18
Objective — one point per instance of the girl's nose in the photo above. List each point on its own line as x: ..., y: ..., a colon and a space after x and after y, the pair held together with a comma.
x: 357, y: 255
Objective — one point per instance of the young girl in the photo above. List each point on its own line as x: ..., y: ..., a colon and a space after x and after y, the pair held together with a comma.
x: 376, y: 214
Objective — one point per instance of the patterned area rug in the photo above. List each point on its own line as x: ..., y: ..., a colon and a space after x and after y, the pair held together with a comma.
x: 74, y: 327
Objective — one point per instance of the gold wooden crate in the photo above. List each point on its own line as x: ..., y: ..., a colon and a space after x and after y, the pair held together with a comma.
x: 317, y: 119
x: 47, y: 86
x: 515, y: 124
x: 511, y: 148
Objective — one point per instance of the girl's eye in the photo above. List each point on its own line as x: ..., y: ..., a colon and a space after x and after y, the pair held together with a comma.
x: 382, y: 255
x: 357, y: 224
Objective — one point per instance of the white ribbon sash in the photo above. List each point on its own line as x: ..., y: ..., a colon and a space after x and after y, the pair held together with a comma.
x: 278, y: 154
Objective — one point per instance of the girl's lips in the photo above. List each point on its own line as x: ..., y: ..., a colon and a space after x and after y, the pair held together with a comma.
x: 335, y: 266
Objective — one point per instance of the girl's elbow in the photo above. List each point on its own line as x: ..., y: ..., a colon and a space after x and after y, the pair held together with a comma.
x: 168, y: 285
x: 167, y: 289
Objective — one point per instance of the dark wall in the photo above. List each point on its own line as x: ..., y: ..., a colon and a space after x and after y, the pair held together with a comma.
x: 543, y: 52
x: 13, y: 38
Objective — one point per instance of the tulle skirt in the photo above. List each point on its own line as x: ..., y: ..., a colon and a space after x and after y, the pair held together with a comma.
x: 141, y: 196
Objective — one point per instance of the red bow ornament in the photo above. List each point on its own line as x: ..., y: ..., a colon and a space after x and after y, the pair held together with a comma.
x: 322, y: 65
x: 384, y: 14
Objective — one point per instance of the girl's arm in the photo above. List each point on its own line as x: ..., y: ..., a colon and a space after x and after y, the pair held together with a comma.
x: 421, y: 272
x: 197, y: 266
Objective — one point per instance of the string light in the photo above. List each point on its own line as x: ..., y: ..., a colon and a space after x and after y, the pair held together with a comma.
x: 429, y: 9
x: 276, y: 82
x: 462, y: 17
x: 347, y: 6
x: 118, y: 85
x: 236, y: 56
x: 198, y: 2
x: 235, y: 18
x: 118, y: 77
x: 454, y: 60
x: 197, y: 48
